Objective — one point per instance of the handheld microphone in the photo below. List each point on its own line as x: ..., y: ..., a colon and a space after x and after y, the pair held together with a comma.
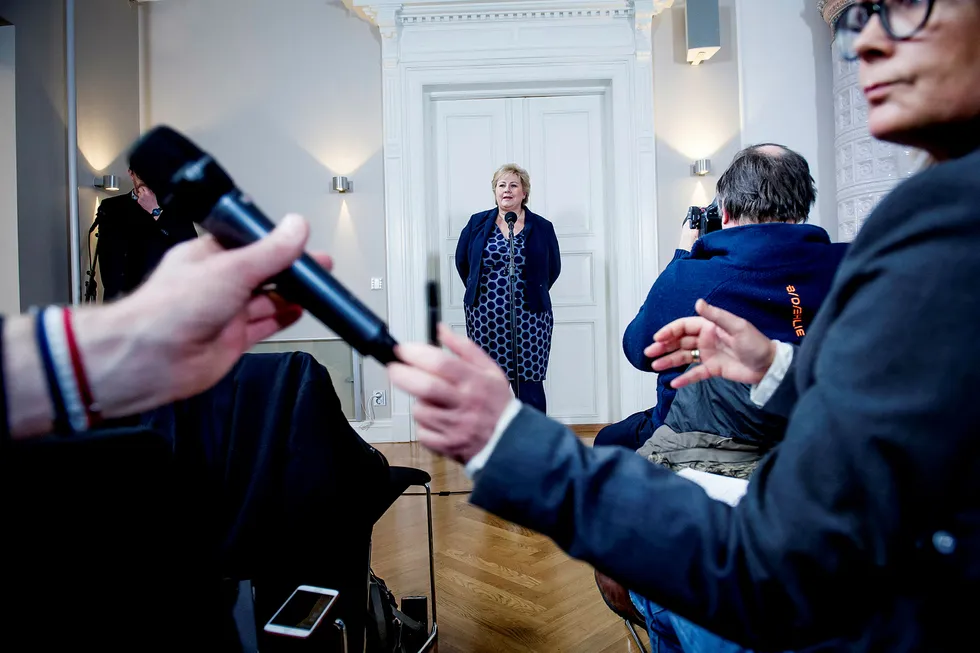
x: 188, y: 182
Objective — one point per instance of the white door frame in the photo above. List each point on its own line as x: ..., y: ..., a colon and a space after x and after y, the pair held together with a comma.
x: 422, y: 56
x: 613, y: 351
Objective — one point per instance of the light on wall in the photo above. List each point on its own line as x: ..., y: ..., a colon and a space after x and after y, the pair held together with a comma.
x: 701, y: 167
x: 107, y: 182
x: 703, y: 29
x: 342, y: 185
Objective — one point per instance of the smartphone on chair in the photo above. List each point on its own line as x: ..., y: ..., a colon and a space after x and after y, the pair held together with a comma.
x: 302, y: 612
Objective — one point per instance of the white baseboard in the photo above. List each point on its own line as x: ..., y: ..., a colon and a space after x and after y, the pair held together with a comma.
x: 378, y: 431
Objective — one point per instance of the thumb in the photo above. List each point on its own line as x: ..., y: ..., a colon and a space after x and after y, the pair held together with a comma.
x: 255, y: 264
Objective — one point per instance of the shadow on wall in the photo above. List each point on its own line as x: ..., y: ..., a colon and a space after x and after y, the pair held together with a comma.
x: 824, y: 58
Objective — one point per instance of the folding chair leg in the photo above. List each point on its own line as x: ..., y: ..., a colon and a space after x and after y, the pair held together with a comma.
x: 432, y: 565
x: 636, y: 637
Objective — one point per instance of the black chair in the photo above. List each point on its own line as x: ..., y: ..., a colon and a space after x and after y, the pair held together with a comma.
x: 401, y: 479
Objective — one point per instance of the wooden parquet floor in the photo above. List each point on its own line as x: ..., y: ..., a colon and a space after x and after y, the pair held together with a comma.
x: 500, y: 587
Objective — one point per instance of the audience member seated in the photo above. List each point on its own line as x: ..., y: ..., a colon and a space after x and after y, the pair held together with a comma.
x: 764, y: 264
x: 714, y: 427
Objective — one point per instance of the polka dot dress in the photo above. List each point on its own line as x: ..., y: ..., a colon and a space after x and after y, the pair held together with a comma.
x: 488, y: 322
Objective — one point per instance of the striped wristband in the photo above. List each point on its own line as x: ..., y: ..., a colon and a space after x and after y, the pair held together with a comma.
x: 62, y: 425
x: 68, y: 370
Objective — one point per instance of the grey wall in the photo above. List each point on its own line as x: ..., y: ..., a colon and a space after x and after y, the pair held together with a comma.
x: 284, y: 99
x: 108, y: 101
x: 42, y: 193
x: 696, y: 114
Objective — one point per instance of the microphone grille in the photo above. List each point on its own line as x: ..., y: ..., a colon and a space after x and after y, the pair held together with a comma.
x: 159, y: 154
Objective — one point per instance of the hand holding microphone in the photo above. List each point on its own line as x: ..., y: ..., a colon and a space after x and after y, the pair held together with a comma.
x: 189, y: 182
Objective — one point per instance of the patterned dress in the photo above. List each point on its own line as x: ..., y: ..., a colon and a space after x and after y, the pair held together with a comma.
x: 488, y: 322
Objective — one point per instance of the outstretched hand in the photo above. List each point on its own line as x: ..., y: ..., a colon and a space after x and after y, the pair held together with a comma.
x: 729, y: 347
x: 460, y: 397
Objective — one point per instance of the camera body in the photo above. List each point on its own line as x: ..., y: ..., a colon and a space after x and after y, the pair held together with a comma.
x: 704, y: 219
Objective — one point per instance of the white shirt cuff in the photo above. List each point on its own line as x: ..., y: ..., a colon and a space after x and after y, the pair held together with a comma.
x: 477, y: 462
x: 766, y: 388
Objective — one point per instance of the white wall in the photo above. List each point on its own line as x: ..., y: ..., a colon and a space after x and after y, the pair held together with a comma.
x: 107, y: 103
x: 9, y: 261
x: 786, y: 71
x: 696, y: 113
x: 285, y: 95
x: 42, y: 164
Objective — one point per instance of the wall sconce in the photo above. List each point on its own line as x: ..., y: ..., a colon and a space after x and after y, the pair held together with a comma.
x: 703, y: 29
x: 701, y: 167
x: 107, y: 182
x: 342, y: 185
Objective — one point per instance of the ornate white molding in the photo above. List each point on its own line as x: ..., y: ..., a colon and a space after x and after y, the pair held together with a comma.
x: 867, y: 169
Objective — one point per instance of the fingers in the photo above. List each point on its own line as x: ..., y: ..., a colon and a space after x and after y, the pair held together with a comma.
x: 423, y: 385
x: 677, y: 359
x: 693, y: 375
x: 323, y: 259
x: 267, y: 315
x: 466, y: 349
x: 434, y: 361
x: 258, y: 262
x: 678, y: 328
x: 658, y: 349
x: 719, y: 316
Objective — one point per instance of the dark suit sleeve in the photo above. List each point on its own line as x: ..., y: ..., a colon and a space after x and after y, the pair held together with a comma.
x: 840, y: 517
x: 672, y: 296
x: 112, y: 243
x: 463, y: 251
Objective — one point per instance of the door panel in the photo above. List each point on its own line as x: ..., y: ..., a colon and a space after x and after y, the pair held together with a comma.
x: 559, y: 141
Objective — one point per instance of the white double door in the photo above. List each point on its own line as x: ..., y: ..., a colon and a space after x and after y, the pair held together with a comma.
x: 559, y: 141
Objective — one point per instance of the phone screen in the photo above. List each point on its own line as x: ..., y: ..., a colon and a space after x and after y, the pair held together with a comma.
x: 303, y: 609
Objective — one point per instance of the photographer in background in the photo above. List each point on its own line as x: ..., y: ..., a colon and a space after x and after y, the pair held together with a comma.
x: 763, y: 263
x: 134, y: 234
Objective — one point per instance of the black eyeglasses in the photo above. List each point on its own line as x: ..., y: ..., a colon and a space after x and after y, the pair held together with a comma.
x: 902, y: 19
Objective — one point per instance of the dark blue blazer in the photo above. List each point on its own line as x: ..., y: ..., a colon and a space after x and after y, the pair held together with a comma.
x: 542, y: 259
x: 861, y: 530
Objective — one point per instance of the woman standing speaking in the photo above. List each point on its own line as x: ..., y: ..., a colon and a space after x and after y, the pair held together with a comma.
x: 483, y: 260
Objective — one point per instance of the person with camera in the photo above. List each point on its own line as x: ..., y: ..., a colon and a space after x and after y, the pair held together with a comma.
x: 751, y: 254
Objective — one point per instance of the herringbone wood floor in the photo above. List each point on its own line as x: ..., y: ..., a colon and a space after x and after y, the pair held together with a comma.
x: 500, y: 587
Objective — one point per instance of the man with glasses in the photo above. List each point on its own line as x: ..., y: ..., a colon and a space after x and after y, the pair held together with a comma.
x: 134, y: 234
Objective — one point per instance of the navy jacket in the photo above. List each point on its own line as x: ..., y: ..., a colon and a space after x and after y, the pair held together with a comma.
x: 542, y: 259
x: 775, y: 275
x: 861, y: 530
x: 131, y: 243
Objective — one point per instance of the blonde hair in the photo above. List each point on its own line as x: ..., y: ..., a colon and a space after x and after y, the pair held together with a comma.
x: 521, y: 173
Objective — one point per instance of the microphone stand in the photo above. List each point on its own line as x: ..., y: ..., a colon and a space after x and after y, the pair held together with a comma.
x: 513, y: 314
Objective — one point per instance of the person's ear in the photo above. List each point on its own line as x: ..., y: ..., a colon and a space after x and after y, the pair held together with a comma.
x: 726, y: 217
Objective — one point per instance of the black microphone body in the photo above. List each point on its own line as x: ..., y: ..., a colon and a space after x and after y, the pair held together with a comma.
x: 511, y: 219
x: 188, y: 182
